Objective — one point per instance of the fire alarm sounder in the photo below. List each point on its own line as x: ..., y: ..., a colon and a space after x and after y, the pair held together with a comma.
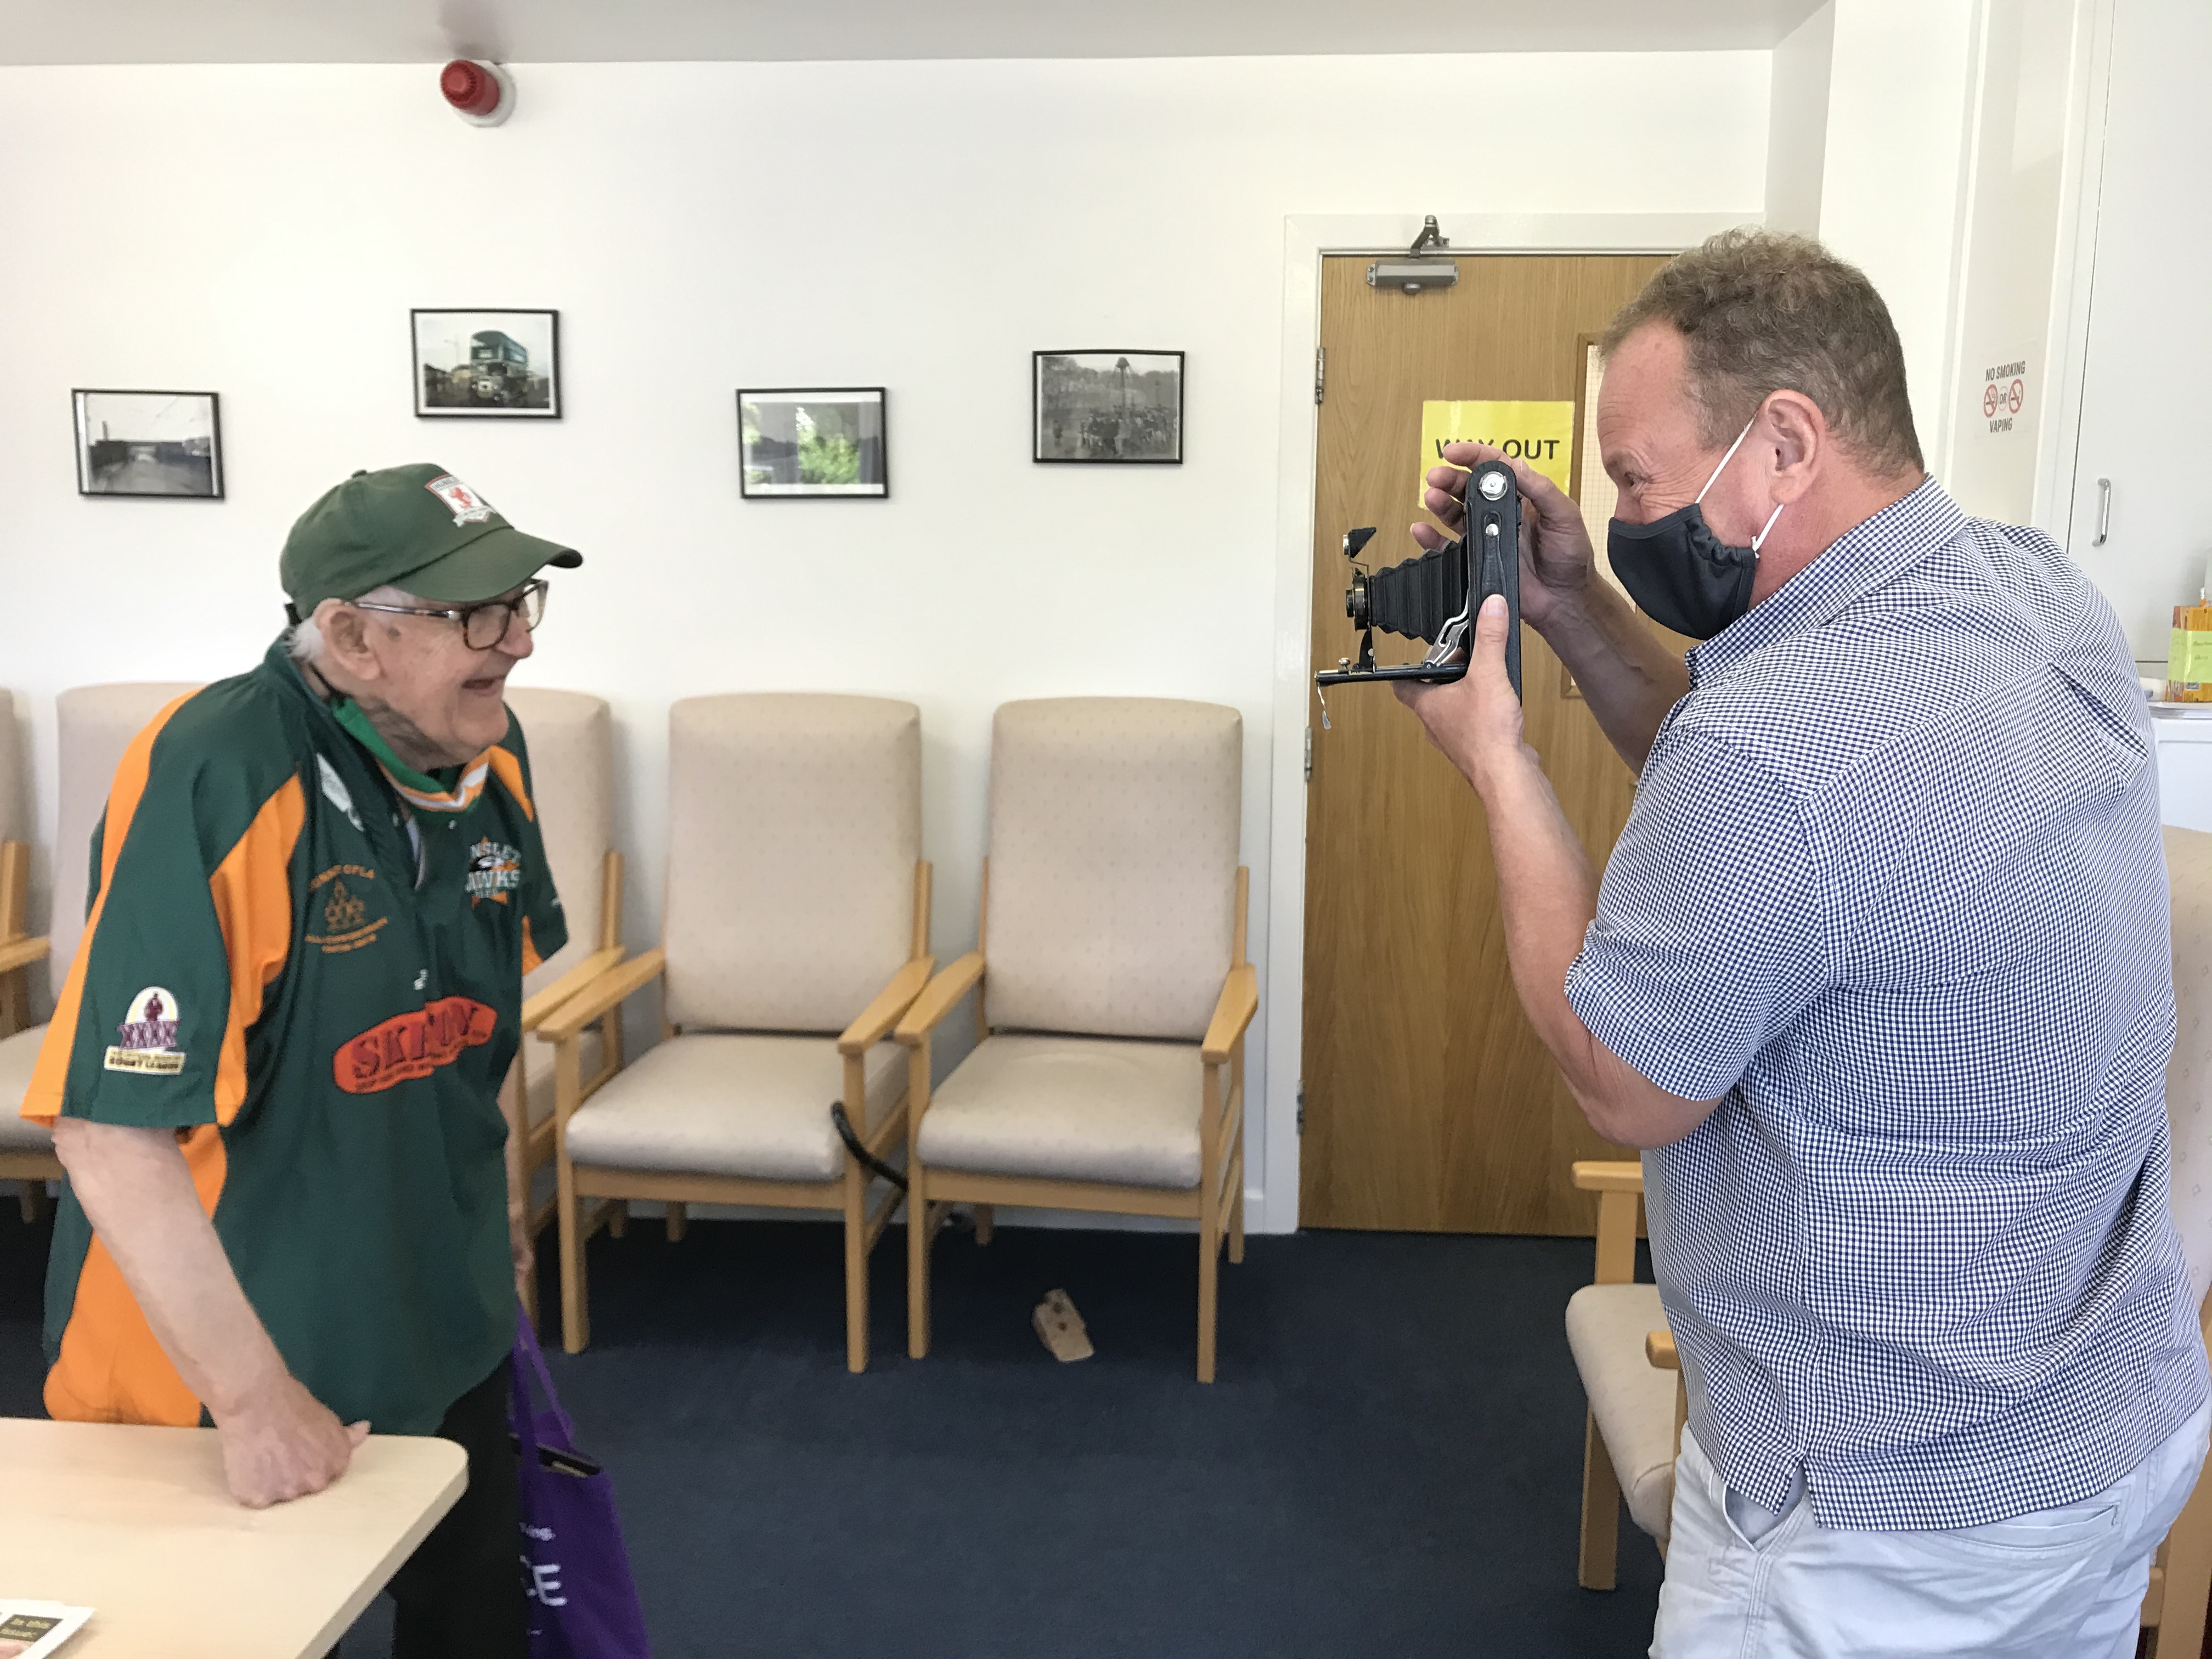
x: 479, y: 92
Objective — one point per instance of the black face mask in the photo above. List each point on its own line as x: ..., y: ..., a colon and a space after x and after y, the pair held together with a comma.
x: 1678, y: 572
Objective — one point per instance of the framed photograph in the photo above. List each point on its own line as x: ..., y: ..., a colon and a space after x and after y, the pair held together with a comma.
x: 149, y: 443
x: 827, y: 441
x: 487, y: 364
x: 1107, y: 406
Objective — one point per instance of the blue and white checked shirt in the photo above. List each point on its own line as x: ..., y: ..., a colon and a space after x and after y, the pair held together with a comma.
x: 1893, y: 887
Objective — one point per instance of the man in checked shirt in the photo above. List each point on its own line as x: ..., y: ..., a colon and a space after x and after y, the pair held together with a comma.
x: 1878, y: 976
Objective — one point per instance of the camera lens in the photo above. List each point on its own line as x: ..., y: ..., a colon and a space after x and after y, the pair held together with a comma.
x: 1355, y: 601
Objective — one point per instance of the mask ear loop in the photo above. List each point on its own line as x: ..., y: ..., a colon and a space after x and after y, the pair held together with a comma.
x: 1756, y: 540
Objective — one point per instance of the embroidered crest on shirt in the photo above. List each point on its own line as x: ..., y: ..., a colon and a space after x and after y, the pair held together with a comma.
x: 494, y: 870
x: 343, y: 908
x: 148, y: 1036
x: 465, y: 505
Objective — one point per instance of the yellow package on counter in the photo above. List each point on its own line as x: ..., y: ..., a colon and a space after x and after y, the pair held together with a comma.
x: 2189, y: 658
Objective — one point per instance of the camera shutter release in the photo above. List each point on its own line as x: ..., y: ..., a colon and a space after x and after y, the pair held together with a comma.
x: 1493, y: 486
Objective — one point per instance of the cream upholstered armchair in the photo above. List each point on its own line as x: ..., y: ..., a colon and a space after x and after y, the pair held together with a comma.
x: 1112, y: 990
x: 795, y: 933
x: 1625, y: 1355
x: 2181, y: 1581
x: 96, y: 724
x: 569, y: 735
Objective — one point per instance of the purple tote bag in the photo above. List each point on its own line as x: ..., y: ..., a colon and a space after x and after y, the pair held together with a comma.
x: 583, y: 1602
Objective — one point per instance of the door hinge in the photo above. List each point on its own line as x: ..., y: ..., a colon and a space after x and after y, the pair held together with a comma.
x: 1301, y: 1107
x: 1321, y: 371
x: 1309, y: 754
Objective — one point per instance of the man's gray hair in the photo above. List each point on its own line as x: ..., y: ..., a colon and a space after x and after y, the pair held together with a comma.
x: 1761, y: 311
x: 305, y: 643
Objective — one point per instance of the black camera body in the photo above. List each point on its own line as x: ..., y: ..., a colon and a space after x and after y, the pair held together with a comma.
x: 1434, y: 599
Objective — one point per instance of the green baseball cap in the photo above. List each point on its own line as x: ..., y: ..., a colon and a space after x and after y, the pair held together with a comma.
x: 418, y: 526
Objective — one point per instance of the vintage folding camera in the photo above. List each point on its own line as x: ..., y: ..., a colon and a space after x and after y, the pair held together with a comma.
x: 1433, y: 598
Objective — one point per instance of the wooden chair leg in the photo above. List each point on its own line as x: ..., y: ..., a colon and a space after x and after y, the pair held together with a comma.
x: 1600, y: 1554
x: 856, y: 1269
x: 678, y: 1218
x: 985, y: 1218
x: 920, y: 1225
x: 1209, y: 1281
x: 31, y: 1197
x: 1237, y: 1221
x: 617, y: 1217
x: 576, y: 1310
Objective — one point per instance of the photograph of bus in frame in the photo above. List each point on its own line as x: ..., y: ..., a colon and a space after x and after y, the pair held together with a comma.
x: 1107, y: 406
x: 149, y: 443
x: 819, y: 442
x: 487, y: 364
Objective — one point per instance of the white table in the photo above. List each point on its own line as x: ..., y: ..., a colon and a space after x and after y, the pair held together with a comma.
x: 135, y: 1523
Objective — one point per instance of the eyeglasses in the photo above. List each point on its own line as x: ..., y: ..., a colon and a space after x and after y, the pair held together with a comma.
x: 482, y: 625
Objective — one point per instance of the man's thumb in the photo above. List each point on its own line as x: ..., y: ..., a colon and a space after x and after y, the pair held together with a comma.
x: 1490, y: 621
x: 357, y: 1433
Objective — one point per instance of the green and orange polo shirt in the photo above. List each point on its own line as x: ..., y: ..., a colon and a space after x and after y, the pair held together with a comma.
x: 311, y: 969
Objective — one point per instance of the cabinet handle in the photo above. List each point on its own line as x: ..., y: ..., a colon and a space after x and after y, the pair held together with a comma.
x: 2104, y: 512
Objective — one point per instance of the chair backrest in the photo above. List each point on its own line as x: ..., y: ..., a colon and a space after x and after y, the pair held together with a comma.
x: 570, y: 736
x: 94, y: 725
x: 2189, y: 1073
x: 1114, y: 834
x: 794, y: 824
x: 15, y: 776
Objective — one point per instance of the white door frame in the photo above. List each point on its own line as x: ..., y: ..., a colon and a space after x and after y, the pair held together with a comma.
x: 1306, y: 239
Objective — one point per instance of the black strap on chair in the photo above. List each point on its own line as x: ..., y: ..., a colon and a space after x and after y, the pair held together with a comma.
x: 867, y: 1159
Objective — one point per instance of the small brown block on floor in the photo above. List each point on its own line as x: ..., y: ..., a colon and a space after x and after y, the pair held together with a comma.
x: 1060, y: 1327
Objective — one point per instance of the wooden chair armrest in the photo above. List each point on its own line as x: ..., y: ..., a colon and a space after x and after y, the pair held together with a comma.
x: 21, y: 953
x: 1593, y: 1177
x: 894, y: 999
x: 536, y: 1008
x: 610, y: 990
x: 1659, y: 1349
x: 938, y: 998
x: 1239, y: 1001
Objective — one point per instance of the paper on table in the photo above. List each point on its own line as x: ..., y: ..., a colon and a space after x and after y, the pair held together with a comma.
x: 32, y: 1629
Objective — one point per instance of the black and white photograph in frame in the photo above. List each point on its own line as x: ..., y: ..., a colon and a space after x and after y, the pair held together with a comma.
x: 1107, y: 406
x: 149, y: 443
x: 487, y: 364
x: 823, y: 441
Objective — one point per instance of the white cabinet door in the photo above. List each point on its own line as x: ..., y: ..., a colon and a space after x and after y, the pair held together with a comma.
x: 2148, y: 373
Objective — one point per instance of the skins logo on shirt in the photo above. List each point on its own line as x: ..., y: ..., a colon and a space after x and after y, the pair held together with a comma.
x: 149, y: 1036
x: 414, y: 1045
x: 347, y: 925
x: 494, y: 870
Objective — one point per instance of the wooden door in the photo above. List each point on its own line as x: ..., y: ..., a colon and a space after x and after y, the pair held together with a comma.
x: 1430, y: 1105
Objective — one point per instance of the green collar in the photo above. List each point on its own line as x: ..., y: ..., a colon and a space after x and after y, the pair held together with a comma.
x: 348, y: 714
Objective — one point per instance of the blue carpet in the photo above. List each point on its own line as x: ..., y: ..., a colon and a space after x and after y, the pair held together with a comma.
x: 1389, y: 1465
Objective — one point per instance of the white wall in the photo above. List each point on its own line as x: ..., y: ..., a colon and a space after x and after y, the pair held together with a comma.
x: 1797, y: 124
x: 1891, y: 180
x: 262, y: 232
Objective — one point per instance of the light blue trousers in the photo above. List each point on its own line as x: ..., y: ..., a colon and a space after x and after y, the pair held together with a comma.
x: 2063, y: 1583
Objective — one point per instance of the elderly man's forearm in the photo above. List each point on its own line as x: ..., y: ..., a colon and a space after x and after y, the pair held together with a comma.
x: 1627, y: 675
x: 138, y: 1195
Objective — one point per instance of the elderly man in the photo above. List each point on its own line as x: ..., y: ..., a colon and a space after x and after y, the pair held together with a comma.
x: 1878, y: 977
x: 274, y: 1066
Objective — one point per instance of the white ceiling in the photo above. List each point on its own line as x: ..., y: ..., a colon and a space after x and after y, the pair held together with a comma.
x: 636, y: 31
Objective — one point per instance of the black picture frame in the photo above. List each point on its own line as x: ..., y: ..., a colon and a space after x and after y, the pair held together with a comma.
x: 505, y: 388
x: 758, y: 455
x: 145, y: 455
x: 1103, y: 428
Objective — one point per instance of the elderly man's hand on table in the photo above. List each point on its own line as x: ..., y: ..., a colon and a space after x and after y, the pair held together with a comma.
x: 285, y: 1443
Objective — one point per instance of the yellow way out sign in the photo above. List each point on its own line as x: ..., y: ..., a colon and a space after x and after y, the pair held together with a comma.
x: 1540, y: 433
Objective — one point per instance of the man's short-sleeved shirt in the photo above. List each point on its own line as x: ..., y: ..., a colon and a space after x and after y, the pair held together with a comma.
x: 325, y: 1014
x: 1893, y: 892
